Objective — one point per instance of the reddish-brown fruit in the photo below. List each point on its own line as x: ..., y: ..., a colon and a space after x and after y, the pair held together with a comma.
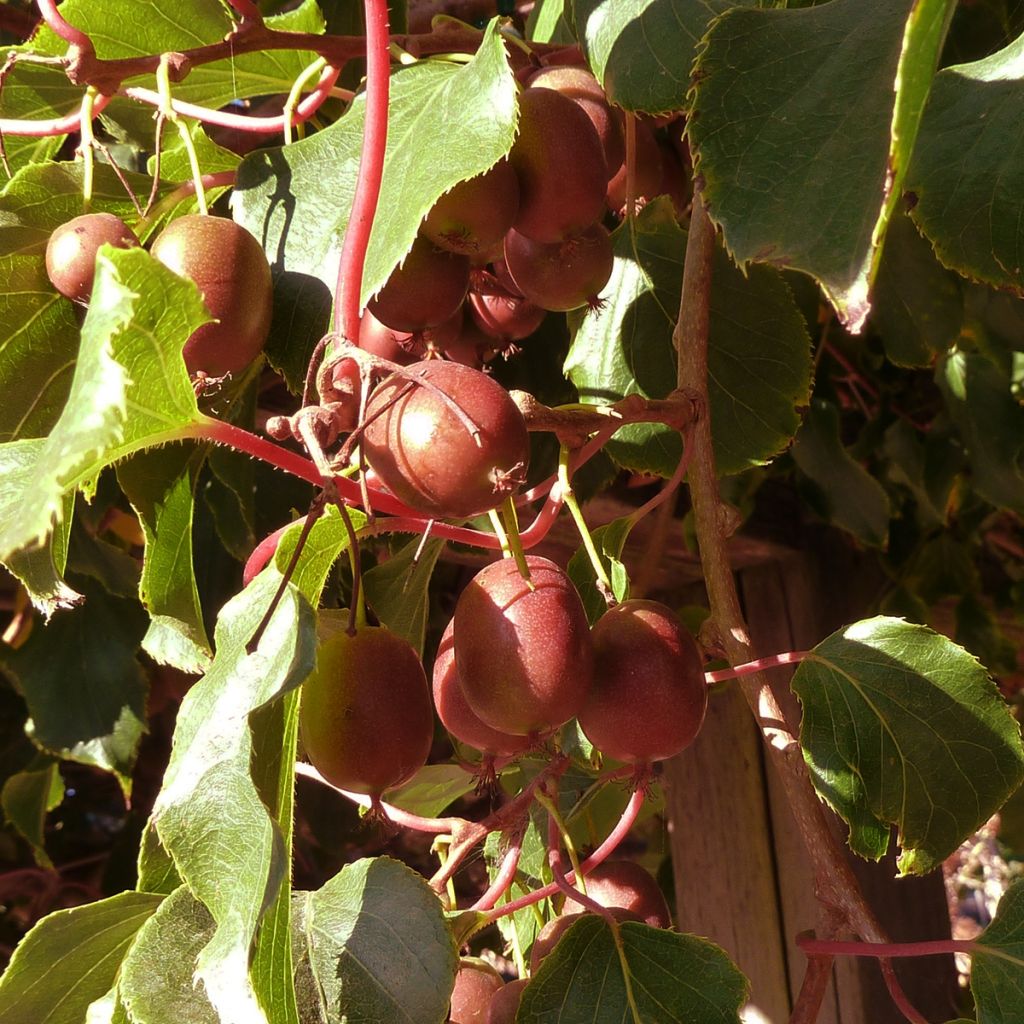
x: 455, y: 713
x: 626, y: 885
x: 505, y: 1002
x: 402, y: 347
x: 675, y: 182
x: 649, y: 171
x: 504, y: 316
x: 474, y: 216
x: 548, y: 936
x: 427, y: 455
x: 649, y: 696
x: 476, y: 982
x: 563, y: 275
x: 71, y: 251
x: 523, y: 649
x: 366, y: 718
x: 424, y: 291
x: 231, y: 271
x: 560, y: 163
x: 580, y: 86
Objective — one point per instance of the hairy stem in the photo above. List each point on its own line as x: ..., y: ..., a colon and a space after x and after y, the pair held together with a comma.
x: 836, y: 886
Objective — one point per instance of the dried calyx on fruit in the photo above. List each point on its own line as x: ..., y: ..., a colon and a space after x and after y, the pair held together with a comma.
x: 231, y: 271
x: 366, y: 719
x: 522, y: 648
x: 649, y: 696
x: 446, y: 439
x: 71, y: 251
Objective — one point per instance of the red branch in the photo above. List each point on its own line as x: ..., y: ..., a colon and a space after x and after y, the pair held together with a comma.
x: 371, y: 171
x: 884, y: 950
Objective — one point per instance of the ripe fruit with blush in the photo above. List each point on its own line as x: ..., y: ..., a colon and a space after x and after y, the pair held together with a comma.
x: 649, y: 696
x: 231, y: 271
x: 523, y: 649
x: 476, y: 982
x: 626, y: 885
x: 452, y: 450
x: 473, y: 217
x: 71, y: 251
x: 505, y: 1002
x: 366, y: 719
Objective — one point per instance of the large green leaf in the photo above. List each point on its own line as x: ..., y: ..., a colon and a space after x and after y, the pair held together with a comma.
x: 70, y: 958
x: 901, y: 726
x: 41, y: 569
x: 156, y: 983
x: 85, y: 690
x: 967, y: 176
x: 759, y: 362
x: 234, y: 862
x: 145, y: 27
x: 642, y: 50
x: 27, y: 797
x: 130, y: 390
x: 161, y: 484
x: 980, y: 400
x: 446, y: 123
x: 372, y: 945
x: 997, y: 962
x: 397, y: 589
x: 655, y: 977
x: 782, y: 99
x: 851, y: 497
x: 36, y: 92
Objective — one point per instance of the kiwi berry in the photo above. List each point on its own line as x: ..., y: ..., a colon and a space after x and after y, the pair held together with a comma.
x: 626, y: 885
x: 476, y: 982
x: 366, y: 719
x: 649, y: 696
x: 505, y: 1002
x: 473, y: 217
x: 231, y: 271
x: 453, y: 449
x: 71, y: 251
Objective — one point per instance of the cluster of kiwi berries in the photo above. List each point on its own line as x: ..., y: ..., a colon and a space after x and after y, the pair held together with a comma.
x: 226, y: 263
x: 526, y: 237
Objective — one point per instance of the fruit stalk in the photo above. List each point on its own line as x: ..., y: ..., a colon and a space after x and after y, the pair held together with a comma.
x: 834, y: 880
x: 503, y: 879
x: 371, y: 169
x: 604, y: 584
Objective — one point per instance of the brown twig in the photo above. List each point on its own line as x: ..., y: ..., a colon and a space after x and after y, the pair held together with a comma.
x: 835, y: 885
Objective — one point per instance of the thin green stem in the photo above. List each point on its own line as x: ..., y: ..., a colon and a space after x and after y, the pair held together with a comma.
x: 295, y: 95
x: 569, y: 497
x: 570, y: 848
x: 499, y: 530
x: 511, y: 520
x: 87, y: 145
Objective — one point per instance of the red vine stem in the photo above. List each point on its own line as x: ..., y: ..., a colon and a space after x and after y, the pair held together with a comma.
x: 247, y: 9
x: 503, y: 879
x: 599, y: 856
x: 67, y: 32
x: 54, y: 126
x: 748, y: 669
x: 884, y: 950
x: 371, y: 171
x: 309, y: 105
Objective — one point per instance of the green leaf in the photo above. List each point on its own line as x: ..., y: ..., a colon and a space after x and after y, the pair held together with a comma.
x: 990, y: 421
x: 642, y: 50
x: 27, y: 797
x: 668, y: 977
x: 160, y: 484
x: 966, y: 173
x: 759, y: 351
x: 87, y: 943
x: 997, y: 961
x: 234, y: 862
x: 41, y: 569
x: 902, y: 726
x: 156, y: 983
x: 432, y: 789
x: 372, y: 945
x: 918, y: 305
x: 609, y: 541
x: 852, y: 497
x: 782, y: 98
x: 326, y: 541
x: 140, y: 316
x: 397, y: 589
x: 446, y: 123
x: 100, y: 719
x: 550, y: 21
x: 36, y: 92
